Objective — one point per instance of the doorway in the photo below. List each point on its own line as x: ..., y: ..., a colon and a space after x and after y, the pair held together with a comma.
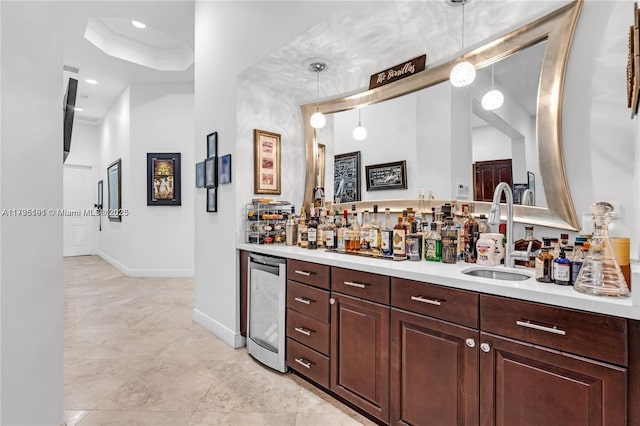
x: 79, y: 227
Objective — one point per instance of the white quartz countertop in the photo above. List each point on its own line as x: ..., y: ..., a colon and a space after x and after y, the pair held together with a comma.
x: 451, y: 275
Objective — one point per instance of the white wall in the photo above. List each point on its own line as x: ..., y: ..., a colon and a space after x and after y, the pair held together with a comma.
x: 230, y: 37
x: 31, y: 288
x: 490, y: 144
x: 84, y: 144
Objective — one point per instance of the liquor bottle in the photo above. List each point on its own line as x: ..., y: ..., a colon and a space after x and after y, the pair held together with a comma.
x: 449, y: 238
x: 483, y: 226
x: 405, y: 221
x: 303, y: 235
x: 458, y: 222
x: 365, y: 229
x: 341, y: 231
x: 291, y: 231
x: 414, y: 243
x: 399, y: 240
x: 433, y: 244
x: 544, y: 263
x: 322, y: 224
x: 564, y: 240
x: 375, y: 235
x: 312, y: 231
x: 330, y: 237
x: 386, y: 243
x: 562, y: 269
x: 523, y: 245
x: 471, y: 234
x: 354, y: 232
x: 577, y: 261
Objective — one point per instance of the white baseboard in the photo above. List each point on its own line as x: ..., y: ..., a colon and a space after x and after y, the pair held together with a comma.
x: 135, y: 272
x: 224, y: 333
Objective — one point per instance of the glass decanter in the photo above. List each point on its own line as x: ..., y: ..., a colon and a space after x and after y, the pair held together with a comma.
x: 600, y: 274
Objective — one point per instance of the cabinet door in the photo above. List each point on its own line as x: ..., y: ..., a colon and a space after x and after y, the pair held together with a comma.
x: 360, y: 353
x: 523, y: 384
x: 434, y: 371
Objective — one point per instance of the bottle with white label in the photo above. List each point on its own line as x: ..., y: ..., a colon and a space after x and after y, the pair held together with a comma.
x: 386, y: 243
x: 375, y: 234
x: 330, y: 232
x: 399, y: 240
x: 562, y: 269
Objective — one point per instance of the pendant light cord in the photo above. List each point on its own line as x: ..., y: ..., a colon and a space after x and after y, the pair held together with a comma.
x: 463, y: 28
x: 359, y: 122
x: 317, y: 90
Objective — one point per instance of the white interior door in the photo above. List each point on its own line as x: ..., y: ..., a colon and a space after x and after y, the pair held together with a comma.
x: 78, y: 196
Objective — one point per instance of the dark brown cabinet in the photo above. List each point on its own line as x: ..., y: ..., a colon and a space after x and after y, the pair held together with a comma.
x: 524, y: 384
x: 360, y: 353
x: 434, y: 371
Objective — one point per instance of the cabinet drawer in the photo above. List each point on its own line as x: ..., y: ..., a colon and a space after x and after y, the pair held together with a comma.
x: 308, y: 362
x: 361, y: 284
x: 449, y: 304
x: 309, y: 331
x: 308, y: 300
x: 593, y: 335
x: 308, y: 273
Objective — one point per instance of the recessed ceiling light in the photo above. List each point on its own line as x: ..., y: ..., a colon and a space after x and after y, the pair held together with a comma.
x: 138, y: 24
x: 78, y: 109
x: 91, y: 81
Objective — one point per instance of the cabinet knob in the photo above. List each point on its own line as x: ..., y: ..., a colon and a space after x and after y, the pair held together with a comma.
x: 485, y: 347
x: 471, y: 343
x: 332, y: 301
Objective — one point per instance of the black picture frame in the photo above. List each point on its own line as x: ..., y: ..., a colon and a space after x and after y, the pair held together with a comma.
x: 164, y: 184
x: 114, y: 188
x: 346, y: 177
x: 386, y: 176
x: 211, y: 172
x: 212, y: 145
x: 212, y: 200
x: 224, y: 169
x: 200, y: 174
x: 100, y: 201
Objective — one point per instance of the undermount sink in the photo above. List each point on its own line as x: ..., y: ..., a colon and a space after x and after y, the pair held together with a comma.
x: 496, y: 274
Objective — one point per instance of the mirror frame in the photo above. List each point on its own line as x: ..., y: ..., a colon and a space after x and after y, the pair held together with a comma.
x: 557, y: 28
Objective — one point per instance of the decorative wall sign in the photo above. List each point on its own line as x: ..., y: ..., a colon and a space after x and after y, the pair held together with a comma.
x: 211, y: 172
x: 114, y: 181
x: 163, y: 179
x: 224, y: 169
x: 212, y: 200
x: 346, y: 177
x: 266, y: 162
x: 398, y: 72
x: 212, y: 144
x: 200, y: 175
x: 387, y: 176
x: 633, y: 63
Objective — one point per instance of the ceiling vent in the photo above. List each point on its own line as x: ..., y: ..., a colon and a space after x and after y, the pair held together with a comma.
x: 69, y: 68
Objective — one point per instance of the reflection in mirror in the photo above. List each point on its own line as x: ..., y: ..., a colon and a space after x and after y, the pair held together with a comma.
x: 452, y: 146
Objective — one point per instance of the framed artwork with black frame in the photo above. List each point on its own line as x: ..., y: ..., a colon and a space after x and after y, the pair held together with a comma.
x: 99, y: 204
x: 212, y: 200
x: 114, y: 182
x: 211, y: 172
x: 387, y: 176
x: 224, y: 169
x: 200, y: 174
x: 346, y: 177
x: 163, y: 179
x: 212, y: 145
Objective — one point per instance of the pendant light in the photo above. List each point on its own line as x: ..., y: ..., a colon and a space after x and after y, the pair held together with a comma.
x: 494, y: 98
x: 463, y: 73
x: 318, y: 120
x: 359, y: 133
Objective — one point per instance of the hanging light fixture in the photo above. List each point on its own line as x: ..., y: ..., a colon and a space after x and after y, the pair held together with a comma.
x: 318, y: 120
x: 494, y: 98
x: 359, y: 133
x: 463, y: 73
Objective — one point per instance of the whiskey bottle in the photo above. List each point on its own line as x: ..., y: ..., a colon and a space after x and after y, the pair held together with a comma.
x: 523, y: 245
x: 375, y: 234
x: 471, y: 235
x: 312, y: 231
x: 354, y: 232
x: 399, y: 240
x: 433, y: 244
x: 330, y: 237
x: 386, y: 239
x: 303, y: 235
x: 544, y: 264
x: 449, y: 238
x: 322, y: 223
x: 365, y: 229
x: 341, y: 232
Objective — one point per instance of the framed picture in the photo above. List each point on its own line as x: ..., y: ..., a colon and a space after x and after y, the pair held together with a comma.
x: 212, y: 200
x: 200, y: 175
x: 211, y: 172
x: 387, y: 176
x: 163, y: 179
x: 531, y: 184
x: 224, y: 169
x: 99, y: 204
x: 346, y: 177
x: 266, y: 162
x: 212, y: 145
x: 114, y: 181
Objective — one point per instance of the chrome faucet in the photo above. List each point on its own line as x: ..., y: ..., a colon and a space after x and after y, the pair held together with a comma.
x: 494, y: 219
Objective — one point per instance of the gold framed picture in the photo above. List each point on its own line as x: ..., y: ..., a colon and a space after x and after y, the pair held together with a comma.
x: 266, y: 162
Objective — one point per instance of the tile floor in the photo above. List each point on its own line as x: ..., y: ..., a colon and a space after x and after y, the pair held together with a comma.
x: 133, y: 356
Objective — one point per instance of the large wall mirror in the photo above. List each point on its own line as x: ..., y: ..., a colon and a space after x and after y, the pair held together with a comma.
x: 451, y: 145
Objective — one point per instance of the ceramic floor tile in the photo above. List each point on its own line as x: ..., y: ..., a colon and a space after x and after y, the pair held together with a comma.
x: 136, y: 418
x: 72, y: 417
x: 203, y: 418
x: 334, y: 419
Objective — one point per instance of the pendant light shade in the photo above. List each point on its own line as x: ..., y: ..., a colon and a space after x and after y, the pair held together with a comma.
x: 463, y: 73
x: 359, y: 133
x: 494, y: 98
x: 317, y: 120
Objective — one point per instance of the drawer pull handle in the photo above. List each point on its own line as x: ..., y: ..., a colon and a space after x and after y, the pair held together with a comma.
x: 423, y: 300
x: 303, y: 331
x: 303, y: 362
x: 302, y: 300
x: 529, y: 324
x: 305, y: 273
x: 352, y: 284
